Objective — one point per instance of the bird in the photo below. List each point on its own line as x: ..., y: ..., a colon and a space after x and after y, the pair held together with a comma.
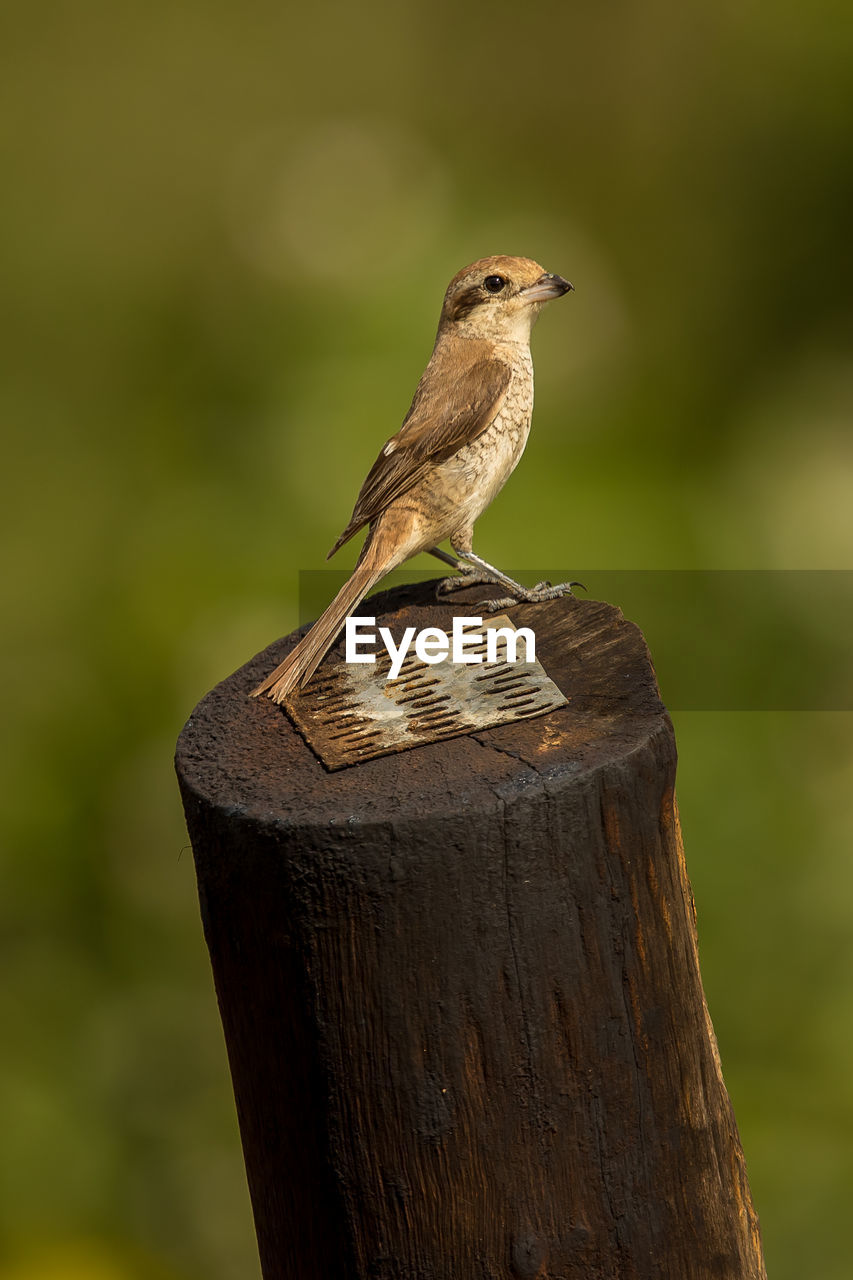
x: 463, y: 436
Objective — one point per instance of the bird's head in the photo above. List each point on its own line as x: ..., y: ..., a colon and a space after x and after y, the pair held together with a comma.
x: 498, y: 298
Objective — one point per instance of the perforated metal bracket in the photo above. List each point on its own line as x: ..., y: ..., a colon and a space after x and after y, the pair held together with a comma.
x: 354, y: 713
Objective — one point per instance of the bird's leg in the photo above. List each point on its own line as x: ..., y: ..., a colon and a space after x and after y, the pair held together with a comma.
x: 448, y: 559
x: 520, y: 595
x: 467, y: 575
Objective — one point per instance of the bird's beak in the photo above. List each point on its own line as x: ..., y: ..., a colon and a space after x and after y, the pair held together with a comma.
x: 546, y: 287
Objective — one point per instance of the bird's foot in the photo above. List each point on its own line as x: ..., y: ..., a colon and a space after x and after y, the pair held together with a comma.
x: 531, y: 595
x: 468, y: 576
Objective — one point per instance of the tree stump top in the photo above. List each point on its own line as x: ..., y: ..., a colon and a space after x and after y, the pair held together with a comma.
x: 245, y: 755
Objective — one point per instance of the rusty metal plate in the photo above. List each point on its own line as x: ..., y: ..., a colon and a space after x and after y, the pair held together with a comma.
x: 352, y: 713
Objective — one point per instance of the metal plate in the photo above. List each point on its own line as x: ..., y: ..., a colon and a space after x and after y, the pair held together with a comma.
x: 351, y: 713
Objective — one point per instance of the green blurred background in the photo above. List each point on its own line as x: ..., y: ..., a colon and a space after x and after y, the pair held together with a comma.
x: 226, y: 230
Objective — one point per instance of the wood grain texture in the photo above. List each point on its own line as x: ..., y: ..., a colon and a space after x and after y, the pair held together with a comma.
x: 460, y: 986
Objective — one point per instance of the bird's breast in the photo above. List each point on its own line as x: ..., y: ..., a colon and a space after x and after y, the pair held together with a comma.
x: 480, y: 469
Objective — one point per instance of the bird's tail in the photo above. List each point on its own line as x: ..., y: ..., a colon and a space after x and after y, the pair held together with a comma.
x: 300, y: 665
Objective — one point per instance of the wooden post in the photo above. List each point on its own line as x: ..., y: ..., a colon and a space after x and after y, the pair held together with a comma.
x: 460, y: 987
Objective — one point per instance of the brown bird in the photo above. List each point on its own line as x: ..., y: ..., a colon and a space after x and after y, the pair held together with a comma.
x: 459, y: 443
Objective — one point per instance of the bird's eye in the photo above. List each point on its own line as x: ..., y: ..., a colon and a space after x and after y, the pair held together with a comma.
x: 494, y: 284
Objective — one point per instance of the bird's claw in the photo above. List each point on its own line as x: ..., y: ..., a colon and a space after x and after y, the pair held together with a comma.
x: 459, y: 581
x: 534, y: 595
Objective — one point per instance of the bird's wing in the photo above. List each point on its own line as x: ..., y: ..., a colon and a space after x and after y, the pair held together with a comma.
x: 447, y: 412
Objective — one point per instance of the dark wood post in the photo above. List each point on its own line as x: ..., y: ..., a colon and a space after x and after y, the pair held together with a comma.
x: 460, y: 986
